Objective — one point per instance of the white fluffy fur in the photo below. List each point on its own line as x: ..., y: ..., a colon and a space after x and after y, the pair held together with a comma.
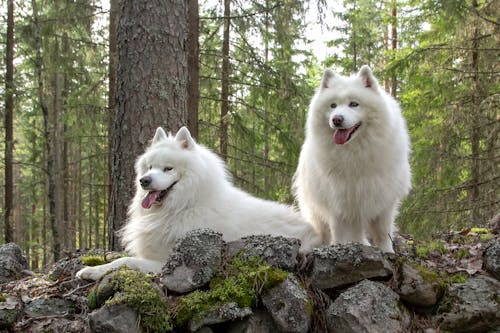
x: 203, y: 197
x: 351, y: 192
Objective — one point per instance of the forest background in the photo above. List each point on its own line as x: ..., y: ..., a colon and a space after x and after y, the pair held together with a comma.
x: 257, y: 67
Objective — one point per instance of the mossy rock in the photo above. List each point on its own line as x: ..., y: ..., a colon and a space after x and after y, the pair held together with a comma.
x: 136, y: 290
x: 243, y: 280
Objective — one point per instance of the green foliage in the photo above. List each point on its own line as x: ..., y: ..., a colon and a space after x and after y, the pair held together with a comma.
x: 423, y: 249
x: 244, y: 280
x: 456, y: 278
x: 136, y: 290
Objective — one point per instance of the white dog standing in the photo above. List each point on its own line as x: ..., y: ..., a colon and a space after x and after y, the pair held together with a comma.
x: 353, y: 169
x: 182, y: 186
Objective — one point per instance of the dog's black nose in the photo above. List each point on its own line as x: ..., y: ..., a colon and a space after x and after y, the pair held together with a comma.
x: 337, y: 121
x: 146, y: 181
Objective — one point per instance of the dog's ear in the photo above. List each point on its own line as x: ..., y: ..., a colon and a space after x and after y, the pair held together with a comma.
x: 327, y: 76
x: 185, y: 138
x: 160, y: 135
x: 365, y: 73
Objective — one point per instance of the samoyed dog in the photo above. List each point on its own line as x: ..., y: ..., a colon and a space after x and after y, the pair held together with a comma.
x: 353, y: 168
x: 182, y: 186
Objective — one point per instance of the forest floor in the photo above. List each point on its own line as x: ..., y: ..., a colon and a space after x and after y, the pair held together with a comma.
x: 454, y: 255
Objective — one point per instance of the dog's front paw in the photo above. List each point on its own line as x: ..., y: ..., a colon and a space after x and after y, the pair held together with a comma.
x: 90, y: 273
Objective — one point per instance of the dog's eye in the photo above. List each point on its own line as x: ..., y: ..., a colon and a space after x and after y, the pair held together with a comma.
x: 353, y: 104
x: 165, y: 169
x: 333, y: 105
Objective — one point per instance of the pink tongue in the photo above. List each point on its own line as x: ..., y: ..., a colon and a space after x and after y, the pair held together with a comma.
x: 341, y: 135
x: 150, y: 199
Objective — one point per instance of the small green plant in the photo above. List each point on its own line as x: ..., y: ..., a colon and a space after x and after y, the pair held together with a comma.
x: 457, y: 278
x: 137, y: 291
x: 433, y: 246
x: 3, y: 297
x: 461, y: 253
x: 243, y: 281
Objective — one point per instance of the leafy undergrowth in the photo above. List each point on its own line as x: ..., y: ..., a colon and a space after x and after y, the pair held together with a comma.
x: 456, y: 255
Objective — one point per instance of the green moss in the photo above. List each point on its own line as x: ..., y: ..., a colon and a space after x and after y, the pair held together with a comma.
x: 457, y: 278
x: 433, y: 246
x: 137, y: 291
x: 431, y: 277
x: 480, y: 231
x: 485, y: 237
x: 3, y: 298
x: 243, y: 281
x: 93, y: 259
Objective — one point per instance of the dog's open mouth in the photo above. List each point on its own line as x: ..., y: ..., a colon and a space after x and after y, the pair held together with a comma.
x: 342, y: 135
x: 156, y: 197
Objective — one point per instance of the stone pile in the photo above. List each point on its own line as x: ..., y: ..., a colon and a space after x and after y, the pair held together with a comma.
x: 341, y: 288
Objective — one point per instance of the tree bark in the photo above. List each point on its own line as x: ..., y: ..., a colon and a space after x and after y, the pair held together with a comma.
x: 49, y: 169
x: 225, y: 81
x: 151, y: 90
x: 474, y: 128
x: 8, y: 123
x: 193, y: 67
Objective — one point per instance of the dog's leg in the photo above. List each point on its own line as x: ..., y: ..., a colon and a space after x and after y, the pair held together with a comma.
x: 322, y: 228
x: 382, y: 228
x: 348, y: 231
x: 143, y: 265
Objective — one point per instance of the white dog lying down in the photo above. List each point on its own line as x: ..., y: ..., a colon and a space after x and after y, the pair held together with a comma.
x: 182, y: 186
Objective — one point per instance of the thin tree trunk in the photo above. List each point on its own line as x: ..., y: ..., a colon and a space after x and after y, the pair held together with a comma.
x: 265, y: 154
x: 111, y: 98
x: 8, y: 123
x: 225, y: 81
x: 394, y: 46
x: 56, y: 245
x: 474, y: 129
x: 193, y: 67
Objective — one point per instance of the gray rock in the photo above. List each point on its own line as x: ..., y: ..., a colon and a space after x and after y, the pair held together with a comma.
x: 10, y: 311
x: 227, y: 312
x: 414, y: 289
x: 343, y: 264
x: 289, y: 306
x: 258, y: 322
x: 196, y: 258
x: 368, y: 307
x: 105, y: 289
x: 49, y: 306
x: 471, y: 307
x: 66, y: 267
x: 491, y: 258
x: 277, y: 251
x: 12, y: 262
x: 116, y: 318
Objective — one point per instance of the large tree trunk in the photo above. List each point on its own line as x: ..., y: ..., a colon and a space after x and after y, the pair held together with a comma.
x: 8, y: 123
x: 151, y: 90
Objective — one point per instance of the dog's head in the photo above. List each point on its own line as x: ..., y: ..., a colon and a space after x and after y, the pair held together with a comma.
x: 348, y: 104
x: 160, y: 169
